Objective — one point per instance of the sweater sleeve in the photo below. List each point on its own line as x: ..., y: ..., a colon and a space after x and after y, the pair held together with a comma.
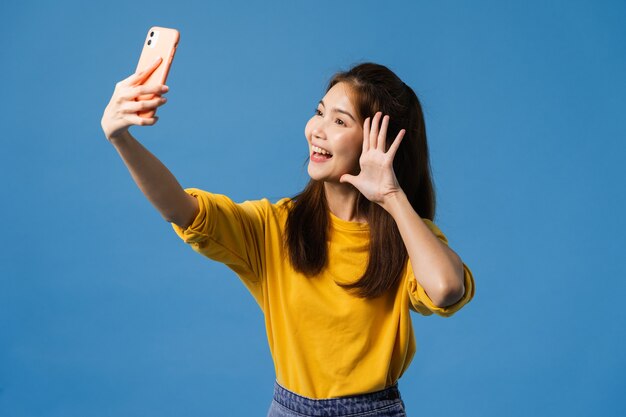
x: 419, y: 300
x: 230, y: 233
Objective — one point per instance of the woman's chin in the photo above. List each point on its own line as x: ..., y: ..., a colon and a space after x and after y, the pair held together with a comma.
x: 322, y: 175
x: 315, y: 174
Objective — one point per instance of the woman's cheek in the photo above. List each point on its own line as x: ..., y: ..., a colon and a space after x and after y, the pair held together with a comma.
x: 307, y: 129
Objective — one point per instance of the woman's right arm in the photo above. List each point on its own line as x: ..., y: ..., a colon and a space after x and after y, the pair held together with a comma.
x: 154, y: 179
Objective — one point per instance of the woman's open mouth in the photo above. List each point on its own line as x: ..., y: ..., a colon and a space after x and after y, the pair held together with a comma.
x: 319, y: 154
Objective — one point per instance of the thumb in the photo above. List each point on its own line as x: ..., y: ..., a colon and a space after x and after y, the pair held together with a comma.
x: 140, y: 75
x: 347, y: 178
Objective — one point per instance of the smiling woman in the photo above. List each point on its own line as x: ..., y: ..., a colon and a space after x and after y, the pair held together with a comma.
x: 360, y: 241
x: 335, y: 139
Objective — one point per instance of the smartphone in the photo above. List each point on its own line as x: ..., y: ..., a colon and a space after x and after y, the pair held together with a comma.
x: 161, y: 42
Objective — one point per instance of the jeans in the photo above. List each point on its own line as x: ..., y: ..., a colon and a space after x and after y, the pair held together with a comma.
x: 385, y: 403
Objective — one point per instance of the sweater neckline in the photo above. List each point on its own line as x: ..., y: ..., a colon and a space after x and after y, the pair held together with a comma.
x: 347, y: 225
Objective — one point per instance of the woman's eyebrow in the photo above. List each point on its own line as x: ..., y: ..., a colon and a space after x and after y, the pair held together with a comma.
x: 339, y: 110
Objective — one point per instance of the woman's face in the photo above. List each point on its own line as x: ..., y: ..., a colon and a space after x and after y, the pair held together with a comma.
x: 335, y: 136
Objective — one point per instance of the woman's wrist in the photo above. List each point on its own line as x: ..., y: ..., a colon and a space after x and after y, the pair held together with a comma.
x: 120, y: 138
x: 393, y: 202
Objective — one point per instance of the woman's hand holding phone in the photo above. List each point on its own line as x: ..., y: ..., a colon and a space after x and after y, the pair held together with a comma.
x: 121, y: 112
x: 136, y: 98
x: 134, y: 102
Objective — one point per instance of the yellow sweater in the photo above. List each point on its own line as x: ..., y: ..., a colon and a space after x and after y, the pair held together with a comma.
x: 325, y: 342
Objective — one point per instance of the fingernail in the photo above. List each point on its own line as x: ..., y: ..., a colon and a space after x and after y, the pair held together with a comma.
x: 165, y: 88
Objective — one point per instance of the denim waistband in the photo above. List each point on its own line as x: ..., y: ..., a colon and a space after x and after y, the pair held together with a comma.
x: 340, y: 406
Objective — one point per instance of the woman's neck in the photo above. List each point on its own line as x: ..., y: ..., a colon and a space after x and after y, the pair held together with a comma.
x: 342, y: 201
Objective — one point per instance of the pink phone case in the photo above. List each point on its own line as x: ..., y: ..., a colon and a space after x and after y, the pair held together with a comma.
x: 161, y: 42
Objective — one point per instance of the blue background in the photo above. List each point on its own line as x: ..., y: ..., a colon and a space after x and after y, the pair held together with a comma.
x: 105, y: 312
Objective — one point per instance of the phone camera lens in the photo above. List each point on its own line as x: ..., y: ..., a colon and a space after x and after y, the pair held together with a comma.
x: 151, y: 33
x: 149, y: 41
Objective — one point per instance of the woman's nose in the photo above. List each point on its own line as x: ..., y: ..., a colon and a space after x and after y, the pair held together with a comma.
x: 318, y: 131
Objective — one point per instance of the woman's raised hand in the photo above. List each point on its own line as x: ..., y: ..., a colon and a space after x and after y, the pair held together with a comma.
x: 377, y: 180
x: 121, y: 112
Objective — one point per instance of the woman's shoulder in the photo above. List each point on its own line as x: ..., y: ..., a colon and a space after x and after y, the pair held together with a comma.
x: 281, y: 207
x: 279, y: 203
x: 284, y: 203
x: 260, y: 206
x: 269, y: 207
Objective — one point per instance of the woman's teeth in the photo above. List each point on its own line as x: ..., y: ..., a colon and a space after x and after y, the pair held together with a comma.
x: 320, y: 150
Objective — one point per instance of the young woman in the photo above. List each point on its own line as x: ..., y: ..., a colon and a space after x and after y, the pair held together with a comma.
x: 337, y: 268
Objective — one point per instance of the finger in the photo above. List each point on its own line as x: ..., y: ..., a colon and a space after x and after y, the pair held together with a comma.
x: 151, y: 89
x: 366, y: 135
x: 135, y: 106
x: 347, y: 178
x: 139, y: 90
x: 382, y: 136
x: 148, y: 71
x: 374, y: 130
x: 396, y: 143
x: 141, y: 121
x: 128, y: 80
x: 140, y: 76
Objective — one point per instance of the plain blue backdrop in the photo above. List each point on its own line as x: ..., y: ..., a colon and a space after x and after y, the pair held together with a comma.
x: 105, y: 312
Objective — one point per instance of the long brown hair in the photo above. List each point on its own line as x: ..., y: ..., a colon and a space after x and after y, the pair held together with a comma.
x: 374, y: 88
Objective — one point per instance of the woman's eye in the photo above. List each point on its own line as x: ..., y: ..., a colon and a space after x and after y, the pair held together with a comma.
x: 318, y: 112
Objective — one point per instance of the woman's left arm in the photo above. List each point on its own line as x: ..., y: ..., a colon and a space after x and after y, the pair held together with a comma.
x: 437, y: 268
